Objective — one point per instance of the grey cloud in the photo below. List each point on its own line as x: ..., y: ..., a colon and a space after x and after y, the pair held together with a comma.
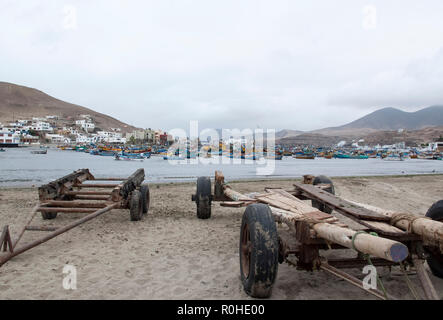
x: 229, y: 64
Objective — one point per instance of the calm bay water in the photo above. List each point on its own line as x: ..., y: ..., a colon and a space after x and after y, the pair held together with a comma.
x: 20, y: 168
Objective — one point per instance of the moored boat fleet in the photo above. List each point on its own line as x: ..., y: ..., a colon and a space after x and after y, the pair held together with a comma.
x: 140, y: 153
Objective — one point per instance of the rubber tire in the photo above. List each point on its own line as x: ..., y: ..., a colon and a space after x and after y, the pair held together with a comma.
x: 323, y: 180
x: 136, y: 210
x: 435, y: 261
x: 203, y: 198
x: 146, y: 199
x: 263, y: 265
x: 49, y: 215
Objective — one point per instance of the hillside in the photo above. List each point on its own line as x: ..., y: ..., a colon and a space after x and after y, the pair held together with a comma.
x: 382, y: 137
x: 19, y: 102
x: 410, y: 137
x: 285, y: 133
x: 391, y: 119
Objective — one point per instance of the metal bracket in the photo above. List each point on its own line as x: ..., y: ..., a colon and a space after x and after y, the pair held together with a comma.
x: 5, y: 240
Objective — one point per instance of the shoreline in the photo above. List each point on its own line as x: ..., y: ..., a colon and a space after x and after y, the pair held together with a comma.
x: 248, y: 180
x: 171, y: 254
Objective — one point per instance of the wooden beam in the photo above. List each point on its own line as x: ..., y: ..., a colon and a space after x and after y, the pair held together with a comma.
x: 344, y: 207
x: 428, y: 287
x: 431, y: 231
x: 363, y: 242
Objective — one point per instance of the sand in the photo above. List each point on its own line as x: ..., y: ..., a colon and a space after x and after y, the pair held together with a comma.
x: 171, y: 254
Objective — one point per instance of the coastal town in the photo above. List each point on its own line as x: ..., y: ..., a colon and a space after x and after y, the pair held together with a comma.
x: 83, y: 134
x: 82, y: 130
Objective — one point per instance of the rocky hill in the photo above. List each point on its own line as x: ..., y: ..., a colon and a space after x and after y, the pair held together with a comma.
x: 19, y: 102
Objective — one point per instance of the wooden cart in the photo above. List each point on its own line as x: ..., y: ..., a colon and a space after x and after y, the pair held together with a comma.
x: 80, y: 192
x: 383, y: 238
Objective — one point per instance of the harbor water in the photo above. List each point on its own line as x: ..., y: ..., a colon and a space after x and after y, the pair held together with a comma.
x: 20, y: 168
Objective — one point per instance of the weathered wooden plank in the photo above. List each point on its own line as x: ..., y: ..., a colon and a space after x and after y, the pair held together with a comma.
x: 57, y: 188
x: 430, y: 231
x: 383, y: 228
x: 344, y: 207
x: 132, y: 183
x: 235, y: 204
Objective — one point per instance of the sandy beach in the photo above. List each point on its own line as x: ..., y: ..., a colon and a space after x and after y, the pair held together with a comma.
x: 171, y: 254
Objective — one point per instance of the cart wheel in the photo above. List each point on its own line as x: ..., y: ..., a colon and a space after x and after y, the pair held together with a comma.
x: 435, y: 260
x: 258, y: 251
x: 144, y: 191
x: 49, y: 215
x: 203, y: 198
x: 323, y: 180
x: 136, y: 209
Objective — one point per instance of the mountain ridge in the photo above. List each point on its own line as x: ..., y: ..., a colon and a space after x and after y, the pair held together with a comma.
x: 384, y: 119
x: 21, y: 102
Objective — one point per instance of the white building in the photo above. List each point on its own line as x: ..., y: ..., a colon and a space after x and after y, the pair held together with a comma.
x: 9, y: 137
x: 39, y: 126
x: 436, y: 146
x: 86, y: 125
x: 81, y: 138
x: 57, y: 138
x: 110, y: 137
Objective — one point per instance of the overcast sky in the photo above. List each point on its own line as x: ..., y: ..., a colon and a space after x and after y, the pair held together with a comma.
x: 229, y: 63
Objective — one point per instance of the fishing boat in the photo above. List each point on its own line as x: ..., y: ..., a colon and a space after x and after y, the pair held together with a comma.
x: 394, y: 157
x: 81, y: 148
x: 45, y: 151
x: 173, y: 157
x: 350, y: 156
x: 304, y: 156
x: 2, y: 150
x: 132, y: 155
x: 107, y: 153
x: 126, y: 158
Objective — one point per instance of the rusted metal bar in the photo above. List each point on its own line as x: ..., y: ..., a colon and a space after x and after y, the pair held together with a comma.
x: 80, y: 197
x: 56, y: 233
x: 75, y: 204
x: 353, y: 280
x: 356, y: 263
x: 428, y: 287
x: 22, y: 231
x: 96, y: 185
x: 66, y: 210
x: 110, y: 179
x: 92, y: 193
x: 40, y: 228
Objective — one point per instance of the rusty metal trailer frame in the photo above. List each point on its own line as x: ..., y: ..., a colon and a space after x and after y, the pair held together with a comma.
x: 306, y: 247
x: 67, y: 195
